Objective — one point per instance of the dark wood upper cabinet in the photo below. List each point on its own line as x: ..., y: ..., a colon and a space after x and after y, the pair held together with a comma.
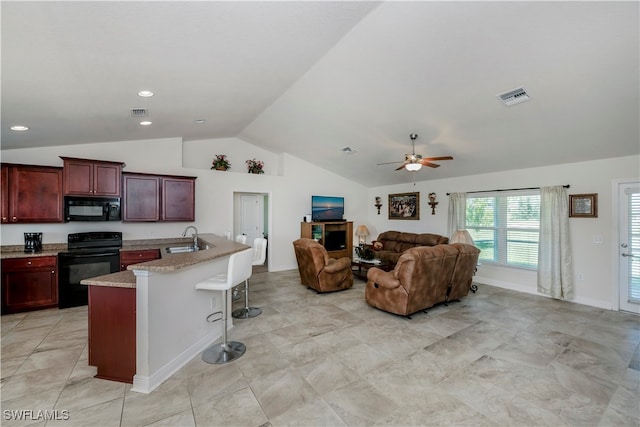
x: 140, y: 197
x: 83, y: 177
x: 5, y: 194
x: 31, y: 194
x: 178, y: 199
x: 149, y: 197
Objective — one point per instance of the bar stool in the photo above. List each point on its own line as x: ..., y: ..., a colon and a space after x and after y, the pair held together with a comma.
x: 235, y: 294
x: 238, y: 269
x: 259, y: 256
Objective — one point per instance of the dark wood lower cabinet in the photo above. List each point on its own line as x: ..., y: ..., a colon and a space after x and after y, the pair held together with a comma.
x: 112, y: 332
x: 29, y: 283
x: 128, y: 258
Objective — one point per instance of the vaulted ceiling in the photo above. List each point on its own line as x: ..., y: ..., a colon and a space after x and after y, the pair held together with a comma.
x: 313, y: 78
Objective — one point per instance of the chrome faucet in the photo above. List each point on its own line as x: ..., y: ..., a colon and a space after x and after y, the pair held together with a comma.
x: 195, y: 236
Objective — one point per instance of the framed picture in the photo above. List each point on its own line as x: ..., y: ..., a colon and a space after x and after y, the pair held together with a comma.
x: 583, y: 205
x: 404, y: 206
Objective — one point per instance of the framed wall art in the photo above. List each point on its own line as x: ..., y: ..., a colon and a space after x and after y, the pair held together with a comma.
x: 404, y: 206
x: 583, y: 205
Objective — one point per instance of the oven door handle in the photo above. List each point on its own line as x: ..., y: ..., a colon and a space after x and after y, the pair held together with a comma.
x: 88, y: 255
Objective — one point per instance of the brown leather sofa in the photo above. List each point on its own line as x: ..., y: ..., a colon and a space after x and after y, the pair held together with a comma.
x: 318, y: 271
x: 423, y: 277
x: 390, y: 245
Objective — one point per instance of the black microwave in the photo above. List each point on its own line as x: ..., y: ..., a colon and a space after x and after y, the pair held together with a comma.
x: 91, y: 209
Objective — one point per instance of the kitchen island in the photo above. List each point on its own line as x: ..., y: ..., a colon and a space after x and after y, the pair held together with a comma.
x: 149, y: 321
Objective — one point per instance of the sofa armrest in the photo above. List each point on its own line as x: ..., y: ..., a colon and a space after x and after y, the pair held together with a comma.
x: 335, y: 265
x: 382, y: 278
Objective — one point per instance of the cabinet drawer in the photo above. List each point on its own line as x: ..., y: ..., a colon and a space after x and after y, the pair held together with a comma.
x: 146, y: 255
x: 136, y: 257
x: 30, y: 262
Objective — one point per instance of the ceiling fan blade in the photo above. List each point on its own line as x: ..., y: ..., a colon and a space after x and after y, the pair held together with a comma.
x: 431, y: 165
x: 401, y: 167
x: 438, y: 158
x: 389, y: 163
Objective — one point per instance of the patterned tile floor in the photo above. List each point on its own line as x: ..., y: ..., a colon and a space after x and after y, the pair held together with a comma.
x: 497, y: 358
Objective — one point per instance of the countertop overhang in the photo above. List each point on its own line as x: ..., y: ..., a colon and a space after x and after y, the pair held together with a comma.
x: 215, y: 247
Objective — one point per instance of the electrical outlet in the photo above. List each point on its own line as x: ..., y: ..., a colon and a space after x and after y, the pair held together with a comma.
x: 580, y: 277
x: 213, y: 303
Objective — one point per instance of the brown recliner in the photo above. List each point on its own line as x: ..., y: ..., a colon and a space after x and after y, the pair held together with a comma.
x: 421, y: 279
x: 318, y: 271
x: 463, y: 271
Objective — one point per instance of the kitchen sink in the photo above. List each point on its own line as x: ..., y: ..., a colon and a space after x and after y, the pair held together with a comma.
x: 182, y: 249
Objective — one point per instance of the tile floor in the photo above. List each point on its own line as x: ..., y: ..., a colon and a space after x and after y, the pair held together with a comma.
x: 498, y: 358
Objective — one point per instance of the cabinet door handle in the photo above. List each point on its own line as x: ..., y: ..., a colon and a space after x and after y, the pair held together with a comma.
x: 14, y: 218
x: 53, y: 272
x: 28, y: 262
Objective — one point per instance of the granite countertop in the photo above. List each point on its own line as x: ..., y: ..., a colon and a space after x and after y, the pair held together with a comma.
x: 17, y: 251
x: 121, y: 279
x: 216, y: 247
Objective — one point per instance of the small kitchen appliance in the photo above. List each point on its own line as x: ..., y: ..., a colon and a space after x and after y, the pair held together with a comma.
x: 32, y: 242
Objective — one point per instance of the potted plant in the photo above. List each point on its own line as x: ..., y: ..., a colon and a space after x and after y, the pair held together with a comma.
x: 220, y: 163
x: 255, y: 166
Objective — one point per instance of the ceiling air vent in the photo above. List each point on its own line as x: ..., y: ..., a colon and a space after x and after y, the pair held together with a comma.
x: 349, y: 150
x: 514, y: 96
x: 139, y: 112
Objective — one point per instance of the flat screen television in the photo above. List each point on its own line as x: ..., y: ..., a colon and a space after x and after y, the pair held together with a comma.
x: 327, y: 208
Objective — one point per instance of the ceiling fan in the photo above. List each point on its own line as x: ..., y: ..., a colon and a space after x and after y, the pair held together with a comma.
x: 414, y: 162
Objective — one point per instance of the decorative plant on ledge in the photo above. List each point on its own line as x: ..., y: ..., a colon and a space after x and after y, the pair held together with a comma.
x: 255, y: 166
x: 221, y: 163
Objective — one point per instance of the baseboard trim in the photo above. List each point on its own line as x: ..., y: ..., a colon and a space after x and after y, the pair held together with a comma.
x: 146, y: 384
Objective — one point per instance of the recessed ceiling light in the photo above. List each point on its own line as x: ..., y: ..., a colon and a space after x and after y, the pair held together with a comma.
x: 200, y: 121
x: 19, y: 128
x: 145, y: 123
x: 145, y: 93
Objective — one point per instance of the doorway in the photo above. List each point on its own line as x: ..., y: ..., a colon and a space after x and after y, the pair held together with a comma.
x: 628, y: 194
x: 251, y: 212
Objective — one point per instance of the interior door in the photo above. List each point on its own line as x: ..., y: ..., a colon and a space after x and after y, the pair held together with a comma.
x: 629, y: 250
x: 252, y: 216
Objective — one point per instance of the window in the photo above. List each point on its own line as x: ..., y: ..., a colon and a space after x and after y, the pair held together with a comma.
x: 505, y: 227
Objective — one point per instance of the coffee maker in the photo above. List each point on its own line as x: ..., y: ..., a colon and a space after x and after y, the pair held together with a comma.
x: 32, y: 242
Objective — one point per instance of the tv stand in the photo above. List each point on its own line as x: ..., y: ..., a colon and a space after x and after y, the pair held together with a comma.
x: 335, y: 236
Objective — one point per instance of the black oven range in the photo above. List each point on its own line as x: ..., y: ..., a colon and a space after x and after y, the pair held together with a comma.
x: 88, y: 254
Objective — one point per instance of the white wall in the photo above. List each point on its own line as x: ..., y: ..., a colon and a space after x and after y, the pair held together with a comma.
x: 289, y: 181
x: 594, y: 263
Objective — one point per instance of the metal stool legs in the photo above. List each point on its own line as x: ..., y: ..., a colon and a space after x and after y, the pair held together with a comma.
x: 226, y: 351
x: 246, y: 312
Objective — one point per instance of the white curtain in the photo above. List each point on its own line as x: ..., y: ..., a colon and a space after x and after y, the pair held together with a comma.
x: 555, y: 269
x: 457, y: 212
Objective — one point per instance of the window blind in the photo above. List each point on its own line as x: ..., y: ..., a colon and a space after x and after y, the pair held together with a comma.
x: 505, y: 226
x: 634, y: 246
